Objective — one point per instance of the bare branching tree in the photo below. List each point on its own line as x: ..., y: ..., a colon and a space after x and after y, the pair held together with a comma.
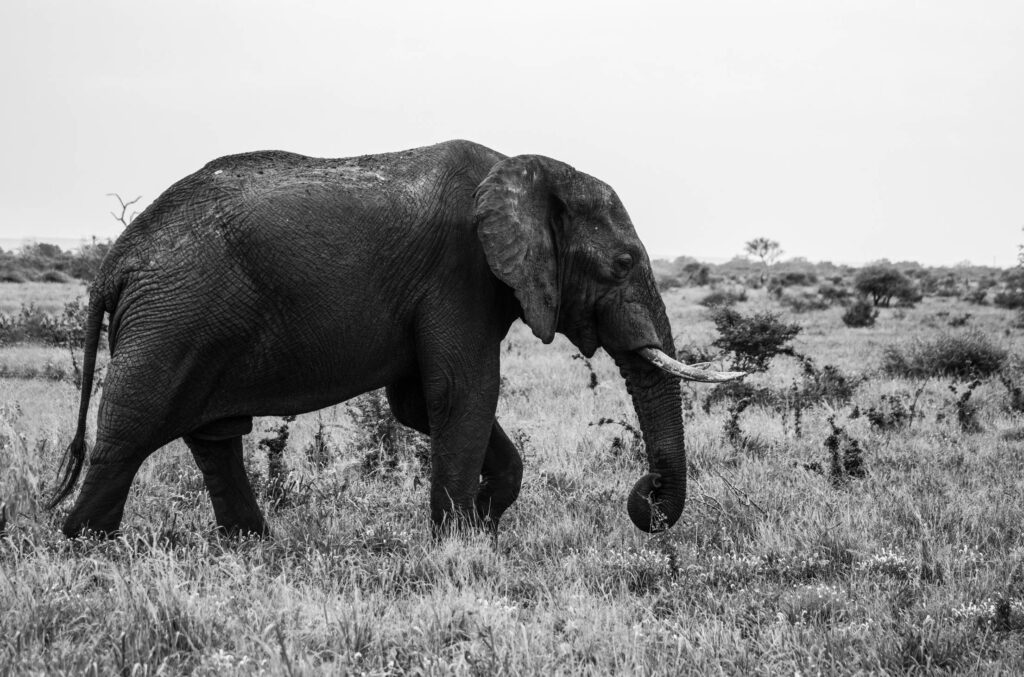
x: 124, y: 218
x: 767, y: 250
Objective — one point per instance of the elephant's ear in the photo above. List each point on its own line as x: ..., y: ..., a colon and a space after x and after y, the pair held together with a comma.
x: 517, y: 215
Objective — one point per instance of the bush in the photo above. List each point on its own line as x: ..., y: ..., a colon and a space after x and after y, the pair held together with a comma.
x: 13, y: 275
x: 796, y: 279
x: 965, y: 355
x: 753, y: 340
x: 826, y: 384
x: 861, y: 314
x: 666, y: 282
x: 834, y: 293
x: 803, y: 303
x: 386, y: 445
x: 975, y: 296
x: 1012, y: 299
x: 33, y: 325
x: 55, y: 276
x: 883, y: 283
x: 724, y: 297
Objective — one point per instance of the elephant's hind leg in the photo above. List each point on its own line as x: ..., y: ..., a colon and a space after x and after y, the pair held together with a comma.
x: 100, y: 503
x: 234, y: 504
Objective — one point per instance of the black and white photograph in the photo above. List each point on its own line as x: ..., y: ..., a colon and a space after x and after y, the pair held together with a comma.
x: 534, y: 338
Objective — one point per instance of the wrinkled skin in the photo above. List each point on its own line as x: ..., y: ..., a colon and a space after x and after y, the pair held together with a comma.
x: 272, y: 283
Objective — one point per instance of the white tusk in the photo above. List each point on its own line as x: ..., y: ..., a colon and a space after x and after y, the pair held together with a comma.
x: 684, y: 371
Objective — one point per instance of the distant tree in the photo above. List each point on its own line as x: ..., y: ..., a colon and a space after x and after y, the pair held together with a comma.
x: 883, y: 282
x: 767, y: 250
x: 697, y: 273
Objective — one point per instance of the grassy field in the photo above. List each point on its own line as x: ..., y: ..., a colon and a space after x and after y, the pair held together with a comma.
x: 774, y: 567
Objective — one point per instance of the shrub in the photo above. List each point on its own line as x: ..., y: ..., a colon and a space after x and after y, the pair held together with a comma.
x: 883, y: 283
x: 55, y: 276
x: 13, y: 275
x: 834, y: 293
x: 1012, y: 299
x: 666, y: 282
x: 975, y: 296
x: 383, y: 441
x: 861, y: 314
x: 966, y: 411
x: 735, y: 391
x: 697, y: 274
x: 277, y: 470
x: 753, y: 340
x: 724, y: 297
x: 803, y: 303
x: 826, y: 384
x: 796, y: 278
x: 846, y: 456
x: 963, y: 355
x: 892, y: 411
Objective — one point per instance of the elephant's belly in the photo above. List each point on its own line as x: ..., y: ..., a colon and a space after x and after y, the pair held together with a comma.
x: 303, y: 380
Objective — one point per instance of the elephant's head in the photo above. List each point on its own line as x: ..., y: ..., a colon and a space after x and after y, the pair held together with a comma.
x: 564, y: 243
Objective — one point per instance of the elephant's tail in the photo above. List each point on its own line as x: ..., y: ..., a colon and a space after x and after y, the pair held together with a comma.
x: 74, y: 457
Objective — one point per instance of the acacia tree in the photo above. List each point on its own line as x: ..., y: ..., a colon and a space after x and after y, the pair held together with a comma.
x: 882, y: 283
x: 765, y: 249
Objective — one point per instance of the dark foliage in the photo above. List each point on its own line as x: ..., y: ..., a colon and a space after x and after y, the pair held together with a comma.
x: 724, y: 297
x: 892, y: 412
x: 803, y: 303
x: 1012, y: 299
x: 630, y: 445
x: 846, y: 456
x: 277, y: 470
x: 862, y: 313
x: 1014, y: 392
x: 734, y: 391
x: 383, y: 441
x: 826, y: 384
x: 883, y: 283
x: 752, y: 340
x: 592, y: 380
x: 32, y: 325
x: 966, y: 411
x: 967, y: 355
x: 834, y: 293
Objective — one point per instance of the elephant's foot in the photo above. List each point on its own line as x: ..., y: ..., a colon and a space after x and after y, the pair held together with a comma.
x: 234, y: 504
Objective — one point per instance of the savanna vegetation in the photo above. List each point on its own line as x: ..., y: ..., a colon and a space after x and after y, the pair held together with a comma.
x: 854, y: 505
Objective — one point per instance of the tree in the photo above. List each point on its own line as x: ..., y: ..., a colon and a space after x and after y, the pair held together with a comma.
x: 766, y: 250
x: 883, y: 282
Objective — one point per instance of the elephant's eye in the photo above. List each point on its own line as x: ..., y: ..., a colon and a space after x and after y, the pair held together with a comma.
x: 622, y: 265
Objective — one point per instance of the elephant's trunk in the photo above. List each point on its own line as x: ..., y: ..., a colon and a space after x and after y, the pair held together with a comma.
x: 657, y: 499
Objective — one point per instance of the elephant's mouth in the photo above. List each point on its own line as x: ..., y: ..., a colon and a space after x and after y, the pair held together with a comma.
x: 696, y: 372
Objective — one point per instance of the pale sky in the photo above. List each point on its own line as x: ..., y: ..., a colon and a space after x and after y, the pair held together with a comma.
x: 848, y: 131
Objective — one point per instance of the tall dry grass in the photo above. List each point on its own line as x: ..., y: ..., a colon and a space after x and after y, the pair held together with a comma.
x: 773, y: 568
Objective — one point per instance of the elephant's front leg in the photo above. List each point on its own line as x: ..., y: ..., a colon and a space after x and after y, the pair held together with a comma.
x: 501, y: 474
x: 460, y: 396
x: 501, y: 477
x: 457, y: 459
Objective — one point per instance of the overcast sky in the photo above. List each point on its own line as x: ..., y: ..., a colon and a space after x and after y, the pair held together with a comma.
x: 847, y: 131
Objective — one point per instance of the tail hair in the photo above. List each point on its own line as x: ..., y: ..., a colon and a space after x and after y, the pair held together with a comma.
x: 70, y: 469
x: 74, y: 457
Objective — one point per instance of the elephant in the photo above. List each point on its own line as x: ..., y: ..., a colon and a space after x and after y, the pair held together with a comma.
x: 272, y: 283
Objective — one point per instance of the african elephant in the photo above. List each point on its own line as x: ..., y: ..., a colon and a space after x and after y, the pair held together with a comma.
x: 271, y: 283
